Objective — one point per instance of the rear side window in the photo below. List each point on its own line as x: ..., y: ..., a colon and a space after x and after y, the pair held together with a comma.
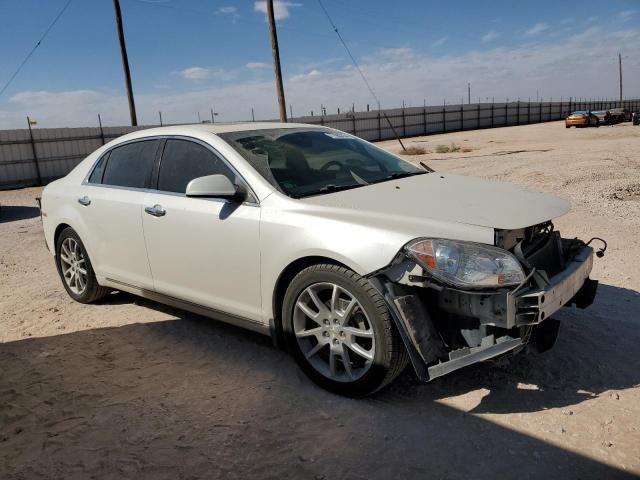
x: 130, y: 165
x: 98, y: 170
x: 182, y: 161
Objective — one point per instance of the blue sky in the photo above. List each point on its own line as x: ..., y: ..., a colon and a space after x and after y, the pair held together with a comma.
x: 189, y: 55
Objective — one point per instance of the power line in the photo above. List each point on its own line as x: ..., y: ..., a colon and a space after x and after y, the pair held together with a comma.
x: 26, y: 59
x: 335, y: 29
x: 364, y: 79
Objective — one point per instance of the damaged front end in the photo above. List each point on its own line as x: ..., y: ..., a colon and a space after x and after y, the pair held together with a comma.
x: 458, y: 303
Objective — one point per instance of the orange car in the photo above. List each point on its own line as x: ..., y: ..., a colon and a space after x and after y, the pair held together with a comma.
x: 582, y: 118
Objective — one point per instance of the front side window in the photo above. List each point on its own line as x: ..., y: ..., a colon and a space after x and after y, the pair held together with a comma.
x: 183, y: 160
x: 303, y: 162
x: 130, y: 165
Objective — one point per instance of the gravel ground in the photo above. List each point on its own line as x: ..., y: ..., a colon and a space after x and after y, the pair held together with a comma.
x: 132, y: 389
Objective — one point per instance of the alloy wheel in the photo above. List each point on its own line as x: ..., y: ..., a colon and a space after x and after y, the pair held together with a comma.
x: 334, y: 332
x: 73, y: 266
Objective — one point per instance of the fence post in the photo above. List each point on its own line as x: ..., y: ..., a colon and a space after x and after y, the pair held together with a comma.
x: 570, y: 100
x: 492, y: 114
x: 478, y: 126
x: 539, y: 112
x: 550, y: 109
x: 506, y: 114
x: 101, y: 131
x: 518, y: 113
x: 444, y: 119
x: 379, y: 126
x: 424, y: 120
x: 461, y: 117
x: 353, y: 116
x: 33, y: 149
x: 528, y: 112
x: 404, y: 123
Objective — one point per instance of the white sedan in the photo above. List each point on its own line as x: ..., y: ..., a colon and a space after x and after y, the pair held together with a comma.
x: 354, y: 260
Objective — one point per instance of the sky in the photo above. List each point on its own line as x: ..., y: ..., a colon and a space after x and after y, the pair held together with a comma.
x: 190, y: 56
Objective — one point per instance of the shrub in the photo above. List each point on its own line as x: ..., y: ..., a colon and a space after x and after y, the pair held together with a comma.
x: 414, y: 150
x: 447, y: 148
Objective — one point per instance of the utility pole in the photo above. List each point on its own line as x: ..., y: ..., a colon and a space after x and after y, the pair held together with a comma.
x: 125, y: 63
x: 276, y: 61
x: 620, y: 73
x: 469, y: 93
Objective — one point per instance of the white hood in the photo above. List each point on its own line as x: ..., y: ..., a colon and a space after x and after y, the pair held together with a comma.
x: 449, y: 198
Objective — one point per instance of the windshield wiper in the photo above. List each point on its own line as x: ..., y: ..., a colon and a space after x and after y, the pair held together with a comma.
x: 396, y: 175
x: 331, y: 188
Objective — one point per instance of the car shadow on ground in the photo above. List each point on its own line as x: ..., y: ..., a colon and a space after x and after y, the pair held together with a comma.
x: 13, y: 213
x: 189, y: 397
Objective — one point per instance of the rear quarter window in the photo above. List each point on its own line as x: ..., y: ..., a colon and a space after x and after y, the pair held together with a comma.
x: 98, y: 170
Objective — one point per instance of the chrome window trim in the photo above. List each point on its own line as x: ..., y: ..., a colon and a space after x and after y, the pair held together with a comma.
x: 85, y: 181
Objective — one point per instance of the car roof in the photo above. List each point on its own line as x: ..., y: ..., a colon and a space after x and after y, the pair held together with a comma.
x: 200, y: 128
x: 216, y: 128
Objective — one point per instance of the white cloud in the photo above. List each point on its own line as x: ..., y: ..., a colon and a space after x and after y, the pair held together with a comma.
x: 626, y: 15
x: 304, y: 76
x: 227, y: 10
x: 563, y: 67
x: 202, y: 73
x: 439, y: 42
x: 396, y: 53
x: 280, y: 8
x: 256, y: 65
x: 194, y: 73
x: 490, y: 36
x: 536, y: 29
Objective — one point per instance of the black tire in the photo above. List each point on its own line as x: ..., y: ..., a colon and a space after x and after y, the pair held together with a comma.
x: 92, y: 291
x: 597, y: 123
x: 390, y: 357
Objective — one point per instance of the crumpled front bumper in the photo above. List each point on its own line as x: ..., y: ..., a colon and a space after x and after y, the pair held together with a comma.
x: 506, y: 313
x: 532, y: 306
x: 530, y: 303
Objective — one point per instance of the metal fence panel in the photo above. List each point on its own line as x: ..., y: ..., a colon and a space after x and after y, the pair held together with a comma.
x: 59, y: 150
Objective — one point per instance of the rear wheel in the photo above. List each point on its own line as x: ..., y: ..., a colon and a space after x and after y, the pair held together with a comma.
x: 339, y: 330
x: 74, y: 267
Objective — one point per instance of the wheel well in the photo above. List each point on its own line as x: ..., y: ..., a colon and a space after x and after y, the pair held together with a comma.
x: 57, y: 233
x: 283, y: 282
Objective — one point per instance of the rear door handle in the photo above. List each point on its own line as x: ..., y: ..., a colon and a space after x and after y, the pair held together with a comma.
x: 156, y: 211
x: 86, y: 201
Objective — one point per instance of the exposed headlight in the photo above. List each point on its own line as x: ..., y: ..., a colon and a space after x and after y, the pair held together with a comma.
x: 467, y: 265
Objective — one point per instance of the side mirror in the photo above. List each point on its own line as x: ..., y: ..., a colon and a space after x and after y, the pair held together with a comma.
x: 215, y: 186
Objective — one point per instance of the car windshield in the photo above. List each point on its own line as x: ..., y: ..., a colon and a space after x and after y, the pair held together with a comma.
x: 580, y: 112
x: 311, y: 161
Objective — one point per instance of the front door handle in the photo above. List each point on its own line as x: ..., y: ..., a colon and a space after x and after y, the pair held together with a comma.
x: 86, y: 201
x: 156, y: 211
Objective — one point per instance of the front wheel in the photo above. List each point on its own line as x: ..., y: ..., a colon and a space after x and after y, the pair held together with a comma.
x: 339, y: 330
x: 75, y: 269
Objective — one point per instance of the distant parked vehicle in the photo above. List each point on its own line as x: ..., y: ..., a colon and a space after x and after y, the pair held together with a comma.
x: 620, y: 115
x: 604, y: 117
x: 582, y: 118
x: 635, y: 118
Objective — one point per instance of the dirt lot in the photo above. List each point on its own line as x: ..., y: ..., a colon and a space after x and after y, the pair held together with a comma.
x: 131, y: 389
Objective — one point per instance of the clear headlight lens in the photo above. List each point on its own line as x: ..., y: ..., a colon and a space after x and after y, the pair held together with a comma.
x: 467, y: 265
